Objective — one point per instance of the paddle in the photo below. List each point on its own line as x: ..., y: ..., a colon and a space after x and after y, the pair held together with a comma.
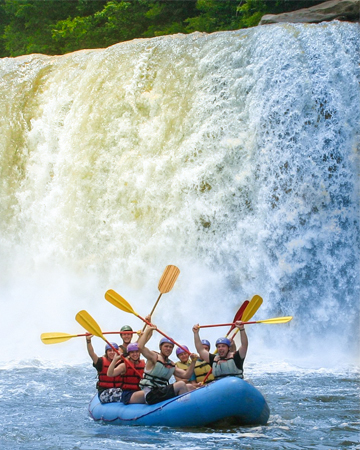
x: 166, y: 283
x: 86, y: 321
x: 269, y: 321
x: 57, y: 338
x: 115, y: 299
x: 252, y: 307
x: 238, y: 315
x: 249, y: 312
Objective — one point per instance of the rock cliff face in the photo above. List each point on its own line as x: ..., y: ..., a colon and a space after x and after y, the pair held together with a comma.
x: 346, y: 10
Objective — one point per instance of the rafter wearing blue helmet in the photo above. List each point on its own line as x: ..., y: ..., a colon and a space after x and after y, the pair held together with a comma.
x: 109, y: 388
x: 159, y: 369
x: 226, y: 362
x: 165, y: 340
x: 223, y: 340
x: 202, y: 368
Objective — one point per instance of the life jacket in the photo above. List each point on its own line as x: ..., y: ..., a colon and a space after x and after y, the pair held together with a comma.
x: 201, y: 369
x: 130, y: 380
x: 159, y: 375
x: 182, y: 366
x: 105, y: 382
x: 226, y: 368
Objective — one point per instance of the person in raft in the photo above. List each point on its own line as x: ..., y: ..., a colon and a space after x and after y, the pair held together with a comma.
x: 126, y: 339
x: 226, y: 362
x: 202, y: 367
x: 109, y: 388
x: 183, y: 363
x: 126, y: 334
x: 159, y: 369
x: 131, y: 392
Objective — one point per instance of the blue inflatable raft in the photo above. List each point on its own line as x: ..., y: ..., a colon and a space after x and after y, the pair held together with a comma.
x: 229, y: 401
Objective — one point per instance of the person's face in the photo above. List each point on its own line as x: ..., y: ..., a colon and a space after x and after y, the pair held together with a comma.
x: 135, y: 355
x: 183, y: 357
x: 166, y: 349
x: 206, y: 347
x: 126, y: 337
x: 110, y: 354
x: 222, y: 350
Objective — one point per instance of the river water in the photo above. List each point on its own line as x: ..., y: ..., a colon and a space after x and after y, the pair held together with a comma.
x: 47, y: 408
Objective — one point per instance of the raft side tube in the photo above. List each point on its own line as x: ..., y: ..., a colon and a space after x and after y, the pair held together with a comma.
x: 229, y: 398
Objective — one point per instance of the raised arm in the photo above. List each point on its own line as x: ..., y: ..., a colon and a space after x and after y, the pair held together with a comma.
x: 243, y: 339
x: 91, y: 350
x: 143, y: 339
x: 114, y: 370
x: 140, y: 333
x: 204, y: 354
x: 189, y: 371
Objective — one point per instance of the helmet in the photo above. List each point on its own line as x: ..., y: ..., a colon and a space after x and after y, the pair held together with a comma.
x: 180, y: 350
x: 223, y: 340
x: 205, y: 342
x: 165, y: 340
x: 126, y: 328
x: 133, y: 347
x: 108, y: 347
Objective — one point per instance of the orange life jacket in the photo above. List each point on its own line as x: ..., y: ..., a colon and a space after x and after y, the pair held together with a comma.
x: 131, y: 379
x: 104, y: 381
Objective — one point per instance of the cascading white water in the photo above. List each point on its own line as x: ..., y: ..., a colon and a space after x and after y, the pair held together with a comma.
x: 232, y: 155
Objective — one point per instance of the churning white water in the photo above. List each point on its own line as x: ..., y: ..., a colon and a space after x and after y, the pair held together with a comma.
x: 232, y: 155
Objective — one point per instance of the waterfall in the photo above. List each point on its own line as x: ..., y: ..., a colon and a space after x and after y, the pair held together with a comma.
x: 233, y: 155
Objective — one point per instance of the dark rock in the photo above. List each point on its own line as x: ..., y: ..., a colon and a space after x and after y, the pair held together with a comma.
x: 346, y: 10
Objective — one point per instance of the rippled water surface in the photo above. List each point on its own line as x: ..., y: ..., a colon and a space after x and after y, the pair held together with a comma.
x: 47, y: 408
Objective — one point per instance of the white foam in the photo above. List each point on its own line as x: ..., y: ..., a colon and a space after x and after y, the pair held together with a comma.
x: 231, y: 155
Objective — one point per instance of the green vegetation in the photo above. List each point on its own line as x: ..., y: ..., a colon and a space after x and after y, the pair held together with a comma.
x: 61, y: 26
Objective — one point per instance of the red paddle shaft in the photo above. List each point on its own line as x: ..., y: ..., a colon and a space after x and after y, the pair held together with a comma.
x: 112, y: 332
x: 172, y: 340
x: 223, y: 325
x: 126, y: 361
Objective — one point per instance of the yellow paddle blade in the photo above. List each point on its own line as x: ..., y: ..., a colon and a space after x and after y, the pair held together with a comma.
x: 168, y: 279
x: 251, y: 308
x: 56, y: 338
x: 86, y: 321
x: 276, y: 320
x: 115, y: 299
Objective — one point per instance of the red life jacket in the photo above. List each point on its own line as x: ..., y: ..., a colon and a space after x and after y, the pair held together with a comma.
x: 104, y: 381
x: 131, y: 379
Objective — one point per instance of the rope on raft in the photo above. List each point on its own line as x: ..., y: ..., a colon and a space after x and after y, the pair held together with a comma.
x: 148, y: 413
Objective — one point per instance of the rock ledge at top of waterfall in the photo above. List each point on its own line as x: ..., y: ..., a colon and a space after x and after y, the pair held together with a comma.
x: 347, y: 10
